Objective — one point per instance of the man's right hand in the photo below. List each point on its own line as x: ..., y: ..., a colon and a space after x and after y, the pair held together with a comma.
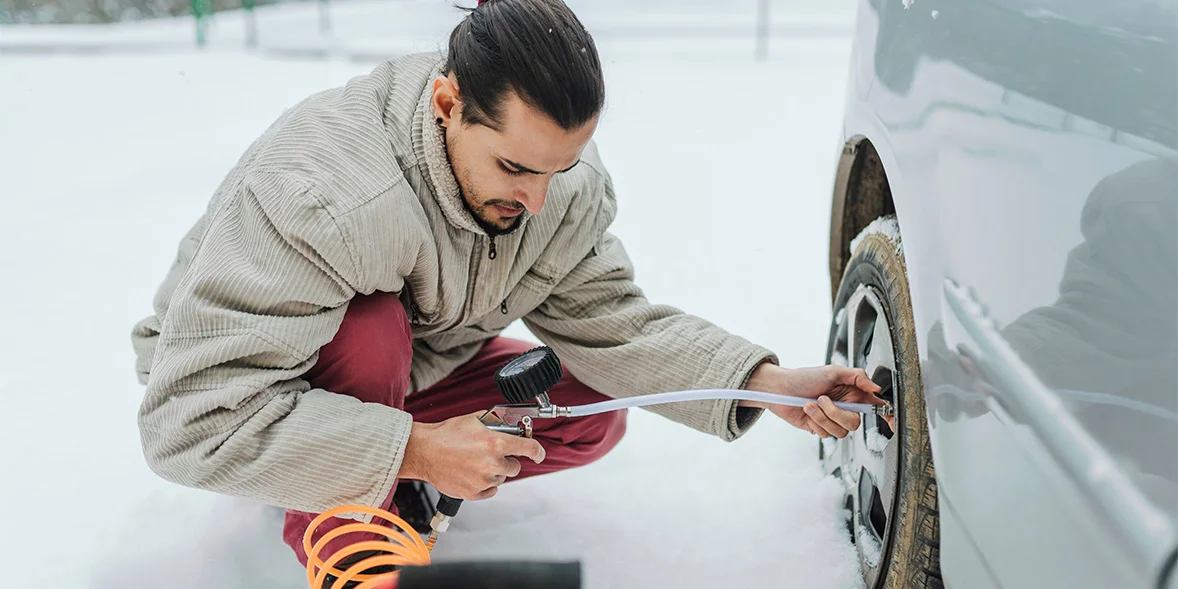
x: 461, y: 458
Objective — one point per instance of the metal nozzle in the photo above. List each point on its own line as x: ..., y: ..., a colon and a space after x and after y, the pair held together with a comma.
x: 884, y: 410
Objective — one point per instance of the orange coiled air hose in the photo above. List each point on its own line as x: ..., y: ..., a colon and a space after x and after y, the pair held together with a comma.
x: 403, y: 548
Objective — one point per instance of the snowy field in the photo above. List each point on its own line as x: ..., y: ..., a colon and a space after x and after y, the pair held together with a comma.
x: 108, y: 158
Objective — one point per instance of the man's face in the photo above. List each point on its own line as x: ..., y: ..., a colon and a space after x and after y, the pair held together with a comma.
x: 504, y: 172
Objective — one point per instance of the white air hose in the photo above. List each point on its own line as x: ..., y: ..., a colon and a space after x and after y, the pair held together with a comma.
x: 680, y: 396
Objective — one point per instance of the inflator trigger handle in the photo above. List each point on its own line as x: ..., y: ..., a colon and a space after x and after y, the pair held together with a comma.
x: 521, y: 381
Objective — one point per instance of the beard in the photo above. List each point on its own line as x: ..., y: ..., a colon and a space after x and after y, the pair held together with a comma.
x: 479, y: 212
x: 477, y: 206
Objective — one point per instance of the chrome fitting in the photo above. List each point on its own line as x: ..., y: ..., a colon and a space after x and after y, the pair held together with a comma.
x: 552, y: 411
x: 440, y: 523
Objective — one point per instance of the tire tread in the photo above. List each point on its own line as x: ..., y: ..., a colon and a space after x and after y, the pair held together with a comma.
x: 914, y: 556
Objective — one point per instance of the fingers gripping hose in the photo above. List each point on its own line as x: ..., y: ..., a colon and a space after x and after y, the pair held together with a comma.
x: 403, y: 548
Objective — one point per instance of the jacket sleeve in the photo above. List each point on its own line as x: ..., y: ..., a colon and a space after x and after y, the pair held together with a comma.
x: 225, y: 409
x: 615, y: 341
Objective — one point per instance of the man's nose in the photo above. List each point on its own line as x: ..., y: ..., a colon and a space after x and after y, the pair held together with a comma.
x: 533, y: 194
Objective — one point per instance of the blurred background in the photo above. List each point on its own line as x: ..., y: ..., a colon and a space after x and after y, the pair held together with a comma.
x: 118, y: 118
x: 93, y: 11
x: 364, y: 28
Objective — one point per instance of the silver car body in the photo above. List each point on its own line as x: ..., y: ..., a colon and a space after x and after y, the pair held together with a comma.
x: 1029, y: 149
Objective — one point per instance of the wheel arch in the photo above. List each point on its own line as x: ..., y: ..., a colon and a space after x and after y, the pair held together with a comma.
x: 861, y: 195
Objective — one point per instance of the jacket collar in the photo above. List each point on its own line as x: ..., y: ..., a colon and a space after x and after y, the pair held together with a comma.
x: 429, y: 143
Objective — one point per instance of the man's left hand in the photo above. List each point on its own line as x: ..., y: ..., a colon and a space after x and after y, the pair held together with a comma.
x: 824, y: 384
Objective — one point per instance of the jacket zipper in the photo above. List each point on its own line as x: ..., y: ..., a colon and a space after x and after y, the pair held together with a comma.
x: 492, y: 253
x: 414, y: 310
x: 473, y: 273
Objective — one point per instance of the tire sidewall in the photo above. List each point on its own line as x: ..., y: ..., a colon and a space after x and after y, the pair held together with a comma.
x: 878, y: 264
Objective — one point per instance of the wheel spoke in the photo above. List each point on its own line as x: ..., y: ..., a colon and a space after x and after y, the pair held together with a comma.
x: 881, y: 354
x: 850, y: 460
x: 872, y: 451
x: 832, y: 457
x: 890, y: 466
x: 852, y: 319
x: 861, y: 330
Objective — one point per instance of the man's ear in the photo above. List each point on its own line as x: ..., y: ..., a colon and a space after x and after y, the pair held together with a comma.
x: 446, y: 103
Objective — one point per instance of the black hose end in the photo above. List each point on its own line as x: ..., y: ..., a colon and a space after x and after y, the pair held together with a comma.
x: 449, y: 505
x: 493, y: 575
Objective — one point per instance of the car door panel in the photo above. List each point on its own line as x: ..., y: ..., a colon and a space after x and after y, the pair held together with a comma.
x: 1031, y: 148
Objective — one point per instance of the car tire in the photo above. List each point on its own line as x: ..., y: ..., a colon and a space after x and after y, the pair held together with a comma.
x: 897, y: 537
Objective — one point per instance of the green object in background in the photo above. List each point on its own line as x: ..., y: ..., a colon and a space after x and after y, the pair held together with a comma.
x: 202, y: 10
x: 251, y: 23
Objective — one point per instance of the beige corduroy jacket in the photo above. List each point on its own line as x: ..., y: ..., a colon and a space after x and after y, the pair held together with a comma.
x: 350, y: 192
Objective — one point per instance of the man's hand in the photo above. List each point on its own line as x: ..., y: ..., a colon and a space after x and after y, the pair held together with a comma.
x: 461, y: 458
x: 825, y: 384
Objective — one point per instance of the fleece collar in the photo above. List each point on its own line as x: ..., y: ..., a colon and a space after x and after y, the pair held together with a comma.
x: 430, y: 143
x: 431, y: 147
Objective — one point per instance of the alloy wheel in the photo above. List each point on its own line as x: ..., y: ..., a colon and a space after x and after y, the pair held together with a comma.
x: 866, y: 460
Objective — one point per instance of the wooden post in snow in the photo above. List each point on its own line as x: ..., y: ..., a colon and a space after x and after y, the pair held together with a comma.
x: 762, y: 30
x: 324, y: 18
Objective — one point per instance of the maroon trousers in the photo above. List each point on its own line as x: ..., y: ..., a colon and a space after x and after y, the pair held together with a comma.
x: 369, y: 359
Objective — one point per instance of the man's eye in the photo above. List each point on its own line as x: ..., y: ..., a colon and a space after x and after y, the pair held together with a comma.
x: 509, y: 171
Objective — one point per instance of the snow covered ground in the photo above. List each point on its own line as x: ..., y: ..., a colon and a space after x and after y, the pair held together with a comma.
x: 107, y: 159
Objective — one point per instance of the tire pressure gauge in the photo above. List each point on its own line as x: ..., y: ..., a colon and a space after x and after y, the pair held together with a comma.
x: 527, y: 378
